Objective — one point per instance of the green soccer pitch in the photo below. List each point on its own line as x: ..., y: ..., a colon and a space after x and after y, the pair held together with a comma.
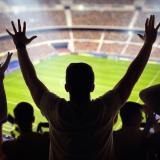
x: 52, y: 73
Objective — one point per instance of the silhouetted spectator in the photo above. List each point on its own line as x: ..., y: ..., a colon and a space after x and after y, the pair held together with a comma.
x: 3, y: 102
x: 151, y: 97
x: 29, y: 145
x: 130, y: 141
x: 81, y: 128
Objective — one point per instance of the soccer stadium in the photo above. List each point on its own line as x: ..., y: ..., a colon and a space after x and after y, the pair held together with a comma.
x: 102, y: 33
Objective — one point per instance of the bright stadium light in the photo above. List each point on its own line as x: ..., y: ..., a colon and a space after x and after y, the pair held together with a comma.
x: 130, y: 33
x: 81, y: 7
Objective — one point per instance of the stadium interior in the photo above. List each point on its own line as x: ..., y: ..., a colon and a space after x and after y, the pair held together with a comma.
x: 98, y: 29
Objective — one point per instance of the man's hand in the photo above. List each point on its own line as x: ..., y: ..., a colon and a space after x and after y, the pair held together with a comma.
x: 150, y: 31
x: 19, y: 37
x: 4, y: 66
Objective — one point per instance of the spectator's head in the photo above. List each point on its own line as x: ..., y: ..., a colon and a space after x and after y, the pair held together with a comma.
x: 24, y: 116
x: 79, y: 78
x: 131, y: 114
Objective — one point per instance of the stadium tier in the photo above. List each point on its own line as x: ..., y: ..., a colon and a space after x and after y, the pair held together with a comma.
x: 116, y: 36
x: 112, y: 48
x: 34, y: 19
x: 102, y: 18
x: 29, y: 2
x: 87, y: 35
x: 85, y: 46
x: 104, y: 1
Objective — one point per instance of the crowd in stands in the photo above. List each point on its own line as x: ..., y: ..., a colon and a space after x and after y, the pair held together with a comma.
x: 95, y: 35
x: 104, y: 2
x: 116, y: 36
x: 48, y: 16
x: 35, y: 19
x: 35, y: 2
x: 112, y: 48
x: 85, y: 46
x: 118, y: 18
x: 81, y: 128
x: 132, y: 50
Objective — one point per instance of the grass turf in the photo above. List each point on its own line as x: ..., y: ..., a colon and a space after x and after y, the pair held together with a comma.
x: 52, y: 73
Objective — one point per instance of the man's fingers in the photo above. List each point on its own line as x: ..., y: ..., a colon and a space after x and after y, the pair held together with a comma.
x: 141, y: 36
x: 9, y: 54
x: 5, y: 65
x: 152, y: 19
x: 153, y: 22
x: 24, y: 27
x: 14, y: 28
x: 158, y: 26
x: 19, y: 25
x: 9, y: 32
x: 32, y: 38
x: 146, y: 24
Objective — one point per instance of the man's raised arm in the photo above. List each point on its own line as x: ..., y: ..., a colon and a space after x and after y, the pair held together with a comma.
x: 3, y: 102
x: 36, y: 87
x: 126, y: 84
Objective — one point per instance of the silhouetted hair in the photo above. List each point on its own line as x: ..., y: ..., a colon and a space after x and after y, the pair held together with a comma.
x: 79, y: 76
x: 129, y: 112
x: 24, y: 113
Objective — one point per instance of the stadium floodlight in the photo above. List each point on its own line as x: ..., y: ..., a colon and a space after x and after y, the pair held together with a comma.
x: 81, y: 7
x: 130, y: 33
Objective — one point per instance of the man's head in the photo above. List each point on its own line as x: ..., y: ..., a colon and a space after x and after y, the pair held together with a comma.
x: 79, y: 78
x: 24, y: 115
x: 131, y: 114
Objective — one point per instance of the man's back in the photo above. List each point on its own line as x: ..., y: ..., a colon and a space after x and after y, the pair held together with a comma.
x: 80, y: 132
x: 130, y: 144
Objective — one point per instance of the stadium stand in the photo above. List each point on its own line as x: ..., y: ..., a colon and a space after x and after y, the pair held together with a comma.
x: 6, y: 44
x: 156, y: 53
x: 35, y: 19
x: 103, y: 18
x: 51, y: 36
x: 136, y: 39
x: 104, y: 2
x: 112, y: 48
x: 40, y: 52
x: 35, y: 2
x: 85, y: 46
x: 86, y: 35
x: 132, y: 50
x: 116, y: 36
x: 42, y: 18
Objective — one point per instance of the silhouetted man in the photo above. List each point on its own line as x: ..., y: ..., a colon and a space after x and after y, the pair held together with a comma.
x: 29, y: 145
x: 81, y: 128
x: 130, y: 142
x: 3, y: 101
x: 151, y: 97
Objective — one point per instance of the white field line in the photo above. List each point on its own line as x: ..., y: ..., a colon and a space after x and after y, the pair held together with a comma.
x: 11, y: 102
